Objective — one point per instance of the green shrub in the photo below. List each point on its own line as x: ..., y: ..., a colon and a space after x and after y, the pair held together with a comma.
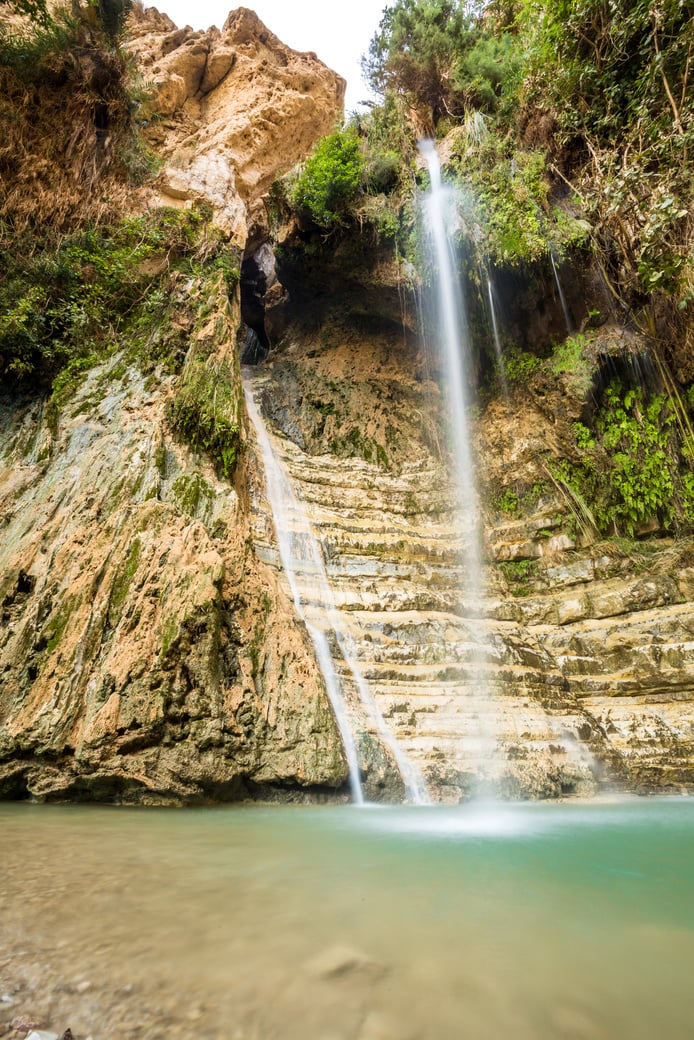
x: 331, y: 179
x: 569, y: 360
x: 519, y: 364
x: 67, y: 298
x: 633, y: 464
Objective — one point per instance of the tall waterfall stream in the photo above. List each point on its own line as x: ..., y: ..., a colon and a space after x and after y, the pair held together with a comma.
x: 454, y: 343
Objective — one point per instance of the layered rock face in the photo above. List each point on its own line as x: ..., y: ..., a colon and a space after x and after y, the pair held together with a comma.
x: 146, y: 653
x: 576, y: 676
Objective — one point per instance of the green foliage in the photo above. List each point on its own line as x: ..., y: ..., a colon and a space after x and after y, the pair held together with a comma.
x: 520, y: 498
x: 416, y: 50
x: 519, y: 365
x: 65, y: 301
x: 206, y: 410
x: 112, y: 15
x: 614, y: 59
x: 505, y: 198
x: 488, y: 68
x: 569, y: 360
x: 506, y: 501
x: 386, y: 130
x: 331, y: 179
x: 227, y: 261
x: 27, y: 49
x: 440, y: 57
x: 633, y: 465
x: 520, y: 575
x: 618, y: 77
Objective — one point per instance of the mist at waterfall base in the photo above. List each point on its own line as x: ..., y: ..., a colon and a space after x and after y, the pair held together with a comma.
x: 536, y: 922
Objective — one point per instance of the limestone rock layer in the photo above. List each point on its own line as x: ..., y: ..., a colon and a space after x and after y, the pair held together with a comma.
x: 576, y: 682
x: 235, y: 108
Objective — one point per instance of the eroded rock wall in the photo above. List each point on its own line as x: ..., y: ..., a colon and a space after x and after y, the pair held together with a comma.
x: 578, y: 676
x: 234, y: 108
x: 146, y: 654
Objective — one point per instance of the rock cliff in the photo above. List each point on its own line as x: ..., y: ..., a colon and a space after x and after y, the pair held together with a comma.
x: 147, y: 655
x: 234, y: 108
x: 149, y: 649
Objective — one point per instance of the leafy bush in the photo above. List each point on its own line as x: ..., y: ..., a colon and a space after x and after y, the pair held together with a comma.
x: 519, y: 365
x: 67, y: 298
x: 331, y: 179
x: 633, y: 464
x: 569, y: 360
x: 505, y: 198
x: 112, y: 16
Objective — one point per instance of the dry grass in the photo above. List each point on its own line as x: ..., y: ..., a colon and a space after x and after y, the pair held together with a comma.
x: 63, y: 130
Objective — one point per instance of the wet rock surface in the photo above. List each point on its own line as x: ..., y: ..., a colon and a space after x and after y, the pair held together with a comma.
x: 146, y: 655
x: 578, y: 675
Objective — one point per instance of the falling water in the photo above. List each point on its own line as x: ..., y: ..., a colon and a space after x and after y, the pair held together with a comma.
x: 497, y: 342
x: 304, y: 567
x: 454, y: 336
x: 562, y: 298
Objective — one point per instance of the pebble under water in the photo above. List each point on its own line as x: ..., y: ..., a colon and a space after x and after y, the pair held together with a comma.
x: 533, y: 922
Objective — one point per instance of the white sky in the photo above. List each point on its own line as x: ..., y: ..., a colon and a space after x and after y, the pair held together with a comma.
x: 338, y: 32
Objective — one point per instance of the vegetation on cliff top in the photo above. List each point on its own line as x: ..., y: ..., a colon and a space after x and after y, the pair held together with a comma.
x: 70, y: 146
x: 570, y: 123
x: 569, y: 129
x: 67, y: 298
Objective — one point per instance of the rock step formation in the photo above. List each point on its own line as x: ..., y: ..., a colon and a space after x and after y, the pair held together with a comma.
x: 579, y: 675
x: 441, y: 680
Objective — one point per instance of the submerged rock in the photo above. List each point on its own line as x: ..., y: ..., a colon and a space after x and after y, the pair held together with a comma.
x: 336, y: 961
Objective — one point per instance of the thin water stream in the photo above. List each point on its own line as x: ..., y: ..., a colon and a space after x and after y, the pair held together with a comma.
x: 452, y: 333
x: 501, y: 369
x: 304, y: 570
x: 562, y: 298
x: 304, y: 567
x: 534, y: 922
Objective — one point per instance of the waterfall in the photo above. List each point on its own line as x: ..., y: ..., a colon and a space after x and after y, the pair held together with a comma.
x: 304, y: 567
x: 562, y: 298
x: 497, y: 342
x: 453, y: 334
x: 455, y: 339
